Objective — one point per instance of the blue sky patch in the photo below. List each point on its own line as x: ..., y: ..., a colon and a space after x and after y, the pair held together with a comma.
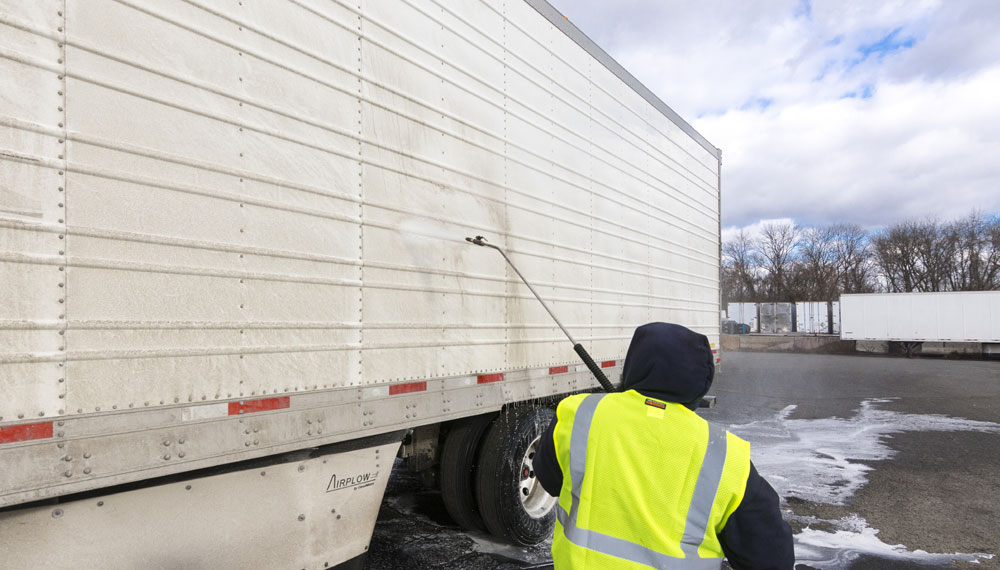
x: 804, y: 9
x: 757, y: 104
x: 889, y: 43
x: 865, y: 92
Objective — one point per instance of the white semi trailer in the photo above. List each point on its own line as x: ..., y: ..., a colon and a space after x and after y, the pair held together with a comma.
x: 233, y: 274
x: 917, y: 318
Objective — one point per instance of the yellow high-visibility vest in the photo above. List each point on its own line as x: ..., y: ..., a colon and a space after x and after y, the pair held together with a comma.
x: 646, y: 484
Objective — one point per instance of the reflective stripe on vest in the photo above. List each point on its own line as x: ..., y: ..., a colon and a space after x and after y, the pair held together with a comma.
x: 698, y: 513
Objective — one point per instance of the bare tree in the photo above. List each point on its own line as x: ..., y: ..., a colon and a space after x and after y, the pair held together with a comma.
x: 777, y: 251
x: 972, y: 242
x: 741, y: 261
x: 788, y: 263
x: 817, y: 265
x: 936, y: 254
x: 898, y: 254
x: 852, y: 258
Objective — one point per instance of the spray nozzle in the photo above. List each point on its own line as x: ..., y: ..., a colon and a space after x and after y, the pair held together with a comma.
x: 480, y: 240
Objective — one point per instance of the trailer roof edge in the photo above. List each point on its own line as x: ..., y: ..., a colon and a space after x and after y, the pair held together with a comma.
x: 574, y: 33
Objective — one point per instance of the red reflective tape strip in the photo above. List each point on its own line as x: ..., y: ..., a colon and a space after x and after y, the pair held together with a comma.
x: 609, y: 363
x: 263, y: 405
x: 716, y: 351
x: 407, y: 388
x: 487, y: 378
x: 25, y: 432
x: 558, y: 369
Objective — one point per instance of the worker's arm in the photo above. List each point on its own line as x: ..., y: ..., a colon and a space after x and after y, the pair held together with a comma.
x: 546, y: 464
x: 755, y: 536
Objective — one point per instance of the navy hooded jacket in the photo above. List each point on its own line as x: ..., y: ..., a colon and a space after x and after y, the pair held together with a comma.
x: 673, y: 363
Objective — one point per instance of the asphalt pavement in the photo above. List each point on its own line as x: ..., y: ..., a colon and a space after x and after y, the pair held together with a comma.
x: 882, y: 462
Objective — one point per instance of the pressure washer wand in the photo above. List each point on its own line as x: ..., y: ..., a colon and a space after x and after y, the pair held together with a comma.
x: 582, y: 352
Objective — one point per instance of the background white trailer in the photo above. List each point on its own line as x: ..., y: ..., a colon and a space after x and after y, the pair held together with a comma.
x: 230, y: 231
x: 922, y: 317
x: 918, y: 319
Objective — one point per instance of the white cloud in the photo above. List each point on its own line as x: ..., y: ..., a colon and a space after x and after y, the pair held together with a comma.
x: 825, y: 111
x: 756, y: 229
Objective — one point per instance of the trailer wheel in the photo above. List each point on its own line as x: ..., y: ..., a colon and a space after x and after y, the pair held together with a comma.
x: 512, y: 502
x: 458, y: 461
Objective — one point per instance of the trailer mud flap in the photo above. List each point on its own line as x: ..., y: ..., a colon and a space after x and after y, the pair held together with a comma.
x: 314, y: 512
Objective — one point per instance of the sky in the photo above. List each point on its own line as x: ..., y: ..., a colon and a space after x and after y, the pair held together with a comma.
x: 830, y: 111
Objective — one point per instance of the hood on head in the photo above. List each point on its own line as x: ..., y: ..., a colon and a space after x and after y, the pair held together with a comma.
x: 669, y: 362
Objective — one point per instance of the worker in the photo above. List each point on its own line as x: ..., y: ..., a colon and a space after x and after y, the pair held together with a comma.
x: 644, y: 482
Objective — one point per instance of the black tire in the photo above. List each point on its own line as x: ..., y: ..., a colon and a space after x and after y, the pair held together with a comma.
x: 458, y: 461
x: 499, y: 482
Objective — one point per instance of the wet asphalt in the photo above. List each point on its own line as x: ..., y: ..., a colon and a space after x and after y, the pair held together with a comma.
x: 938, y: 493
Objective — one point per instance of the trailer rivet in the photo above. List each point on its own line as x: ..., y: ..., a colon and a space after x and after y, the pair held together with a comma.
x: 247, y: 444
x: 60, y: 445
x: 255, y: 430
x: 181, y: 441
x: 86, y: 455
x: 68, y: 473
x: 60, y: 423
x: 100, y: 503
x: 309, y: 432
x: 166, y: 457
x: 263, y: 473
x: 302, y: 517
x: 255, y: 442
x: 57, y: 513
x: 302, y: 468
x: 166, y: 442
x: 187, y: 487
x: 20, y: 416
x: 60, y: 434
x: 86, y: 471
x: 309, y: 421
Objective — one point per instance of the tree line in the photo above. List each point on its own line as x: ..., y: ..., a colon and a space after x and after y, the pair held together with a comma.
x: 788, y: 263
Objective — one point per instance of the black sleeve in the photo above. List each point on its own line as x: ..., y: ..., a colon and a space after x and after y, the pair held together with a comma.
x: 546, y: 463
x: 755, y: 536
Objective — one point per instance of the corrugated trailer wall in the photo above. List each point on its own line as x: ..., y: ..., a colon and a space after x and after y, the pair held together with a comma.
x: 204, y: 201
